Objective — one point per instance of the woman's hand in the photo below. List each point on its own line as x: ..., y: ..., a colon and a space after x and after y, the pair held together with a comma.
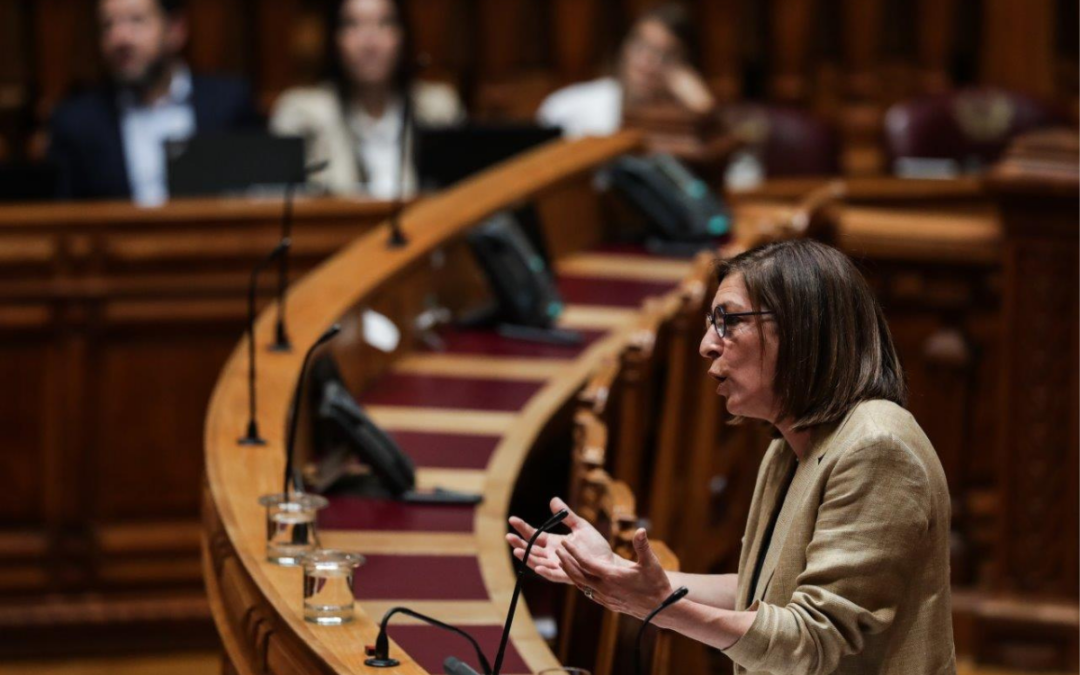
x: 544, y: 560
x: 630, y: 588
x: 688, y: 88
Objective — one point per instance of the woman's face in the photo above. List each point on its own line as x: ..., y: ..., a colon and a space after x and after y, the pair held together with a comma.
x: 369, y: 41
x: 649, y: 51
x: 738, y: 362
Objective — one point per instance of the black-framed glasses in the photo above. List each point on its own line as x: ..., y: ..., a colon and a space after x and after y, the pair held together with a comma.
x: 721, y: 319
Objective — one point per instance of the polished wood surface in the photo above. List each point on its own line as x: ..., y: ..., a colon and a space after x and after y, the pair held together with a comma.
x: 237, y: 476
x: 115, y: 322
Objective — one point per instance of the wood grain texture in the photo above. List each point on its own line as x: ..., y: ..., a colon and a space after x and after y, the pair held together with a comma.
x: 236, y: 476
x: 116, y: 321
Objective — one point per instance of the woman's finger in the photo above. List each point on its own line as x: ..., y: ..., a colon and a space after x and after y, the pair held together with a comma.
x: 518, y: 542
x: 534, y: 559
x: 524, y: 529
x: 554, y: 574
x: 572, y: 520
x: 587, y: 563
x: 571, y: 569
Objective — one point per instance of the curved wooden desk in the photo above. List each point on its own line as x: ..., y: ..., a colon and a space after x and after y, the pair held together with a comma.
x: 458, y: 561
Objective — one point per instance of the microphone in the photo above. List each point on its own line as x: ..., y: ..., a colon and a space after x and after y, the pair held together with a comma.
x: 379, y: 655
x: 678, y: 595
x: 290, y: 443
x: 397, y: 237
x: 281, y: 341
x: 455, y: 666
x: 524, y: 565
x: 252, y: 436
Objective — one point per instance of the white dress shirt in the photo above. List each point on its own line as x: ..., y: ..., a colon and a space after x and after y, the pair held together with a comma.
x: 145, y: 128
x: 585, y: 109
x: 377, y: 141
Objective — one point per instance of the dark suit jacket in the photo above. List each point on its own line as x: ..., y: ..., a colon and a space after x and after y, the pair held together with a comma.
x: 87, y: 147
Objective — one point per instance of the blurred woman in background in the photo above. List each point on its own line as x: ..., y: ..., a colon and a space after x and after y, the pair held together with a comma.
x: 654, y: 67
x: 354, y: 120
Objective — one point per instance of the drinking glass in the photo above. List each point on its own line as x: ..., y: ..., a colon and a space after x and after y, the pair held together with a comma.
x: 290, y: 525
x: 328, y: 586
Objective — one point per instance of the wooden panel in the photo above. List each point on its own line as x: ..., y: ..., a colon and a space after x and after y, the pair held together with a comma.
x: 116, y: 321
x: 1014, y: 27
x: 275, y: 72
x: 721, y: 26
x: 24, y: 416
x: 862, y: 45
x: 500, y: 25
x: 936, y: 40
x: 14, y: 76
x: 434, y: 23
x: 575, y: 35
x: 219, y: 35
x: 790, y: 42
x: 65, y: 48
x: 148, y: 387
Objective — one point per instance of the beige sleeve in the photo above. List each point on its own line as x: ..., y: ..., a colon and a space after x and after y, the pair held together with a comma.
x: 868, y: 538
x: 290, y: 116
x: 438, y: 104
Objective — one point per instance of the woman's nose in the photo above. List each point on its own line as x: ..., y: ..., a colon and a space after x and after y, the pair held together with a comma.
x: 711, y: 346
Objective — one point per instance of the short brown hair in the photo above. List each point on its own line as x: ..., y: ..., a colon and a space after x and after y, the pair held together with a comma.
x: 674, y: 17
x: 835, y: 349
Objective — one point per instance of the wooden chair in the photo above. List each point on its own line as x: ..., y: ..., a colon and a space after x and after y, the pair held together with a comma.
x: 589, y: 634
x: 679, y: 400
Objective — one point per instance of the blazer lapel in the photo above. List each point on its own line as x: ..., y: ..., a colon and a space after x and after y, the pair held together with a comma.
x: 804, y: 478
x: 115, y: 159
x: 774, y: 481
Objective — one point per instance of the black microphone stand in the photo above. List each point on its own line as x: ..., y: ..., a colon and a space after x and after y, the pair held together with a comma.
x: 290, y: 443
x: 678, y: 595
x: 252, y: 436
x: 397, y: 237
x: 380, y: 655
x: 281, y: 336
x: 522, y: 568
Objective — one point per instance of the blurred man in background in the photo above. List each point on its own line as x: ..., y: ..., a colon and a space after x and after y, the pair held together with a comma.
x: 110, y: 142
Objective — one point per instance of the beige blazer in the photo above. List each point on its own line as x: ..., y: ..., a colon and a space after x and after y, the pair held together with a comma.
x: 856, y: 579
x: 315, y: 114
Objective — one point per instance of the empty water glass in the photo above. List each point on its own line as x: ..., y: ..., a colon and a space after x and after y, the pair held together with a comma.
x: 328, y: 586
x: 290, y: 525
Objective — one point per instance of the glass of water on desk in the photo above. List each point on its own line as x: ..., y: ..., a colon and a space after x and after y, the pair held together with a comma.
x: 328, y: 586
x: 290, y: 525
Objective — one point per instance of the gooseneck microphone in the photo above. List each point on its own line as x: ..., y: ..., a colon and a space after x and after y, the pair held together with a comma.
x: 294, y: 419
x: 281, y: 337
x: 678, y: 595
x: 379, y: 656
x: 522, y: 568
x: 252, y: 436
x: 397, y: 237
x: 455, y: 666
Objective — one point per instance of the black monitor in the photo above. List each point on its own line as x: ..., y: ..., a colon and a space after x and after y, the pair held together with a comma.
x: 445, y: 156
x: 235, y: 163
x: 28, y: 181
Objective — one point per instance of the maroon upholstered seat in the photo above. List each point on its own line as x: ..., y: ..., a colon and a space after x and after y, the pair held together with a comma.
x: 789, y: 141
x: 970, y: 126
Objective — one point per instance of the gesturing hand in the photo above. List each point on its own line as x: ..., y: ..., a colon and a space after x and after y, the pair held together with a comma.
x: 544, y: 559
x: 630, y: 588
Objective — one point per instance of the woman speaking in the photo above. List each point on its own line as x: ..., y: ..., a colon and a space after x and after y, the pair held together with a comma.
x: 845, y: 560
